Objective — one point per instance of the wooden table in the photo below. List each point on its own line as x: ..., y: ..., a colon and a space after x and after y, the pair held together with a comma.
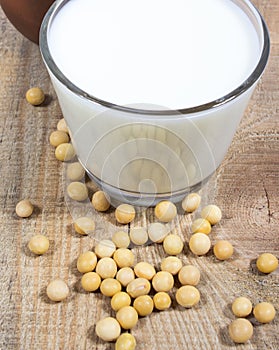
x: 246, y: 187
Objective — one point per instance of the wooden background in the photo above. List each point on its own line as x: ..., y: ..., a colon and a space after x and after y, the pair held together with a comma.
x: 246, y: 187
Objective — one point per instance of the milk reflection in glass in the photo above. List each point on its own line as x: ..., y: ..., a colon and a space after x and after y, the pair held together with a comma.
x: 152, y: 54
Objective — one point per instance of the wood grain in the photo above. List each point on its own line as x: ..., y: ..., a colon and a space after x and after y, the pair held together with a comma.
x: 246, y: 187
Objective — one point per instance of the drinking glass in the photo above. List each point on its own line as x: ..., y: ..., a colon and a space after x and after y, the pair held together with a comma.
x: 144, y: 153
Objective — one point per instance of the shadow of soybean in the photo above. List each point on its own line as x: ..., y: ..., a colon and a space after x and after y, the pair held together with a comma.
x: 48, y: 99
x: 73, y: 268
x: 227, y: 311
x: 225, y: 337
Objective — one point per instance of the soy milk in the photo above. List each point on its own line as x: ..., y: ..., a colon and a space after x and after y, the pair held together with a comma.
x: 152, y: 55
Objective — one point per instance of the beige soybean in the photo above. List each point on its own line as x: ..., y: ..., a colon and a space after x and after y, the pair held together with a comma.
x: 105, y: 248
x: 173, y: 244
x: 171, y: 264
x: 163, y: 281
x: 223, y: 250
x: 125, y: 213
x: 62, y: 126
x: 100, y: 201
x: 189, y: 275
x: 84, y: 225
x: 77, y: 191
x: 108, y: 329
x: 212, y: 213
x: 157, y: 232
x: 165, y: 211
x: 121, y: 239
x: 267, y: 263
x: 119, y: 300
x: 86, y: 262
x: 240, y: 330
x: 162, y: 301
x: 126, y: 341
x: 127, y: 317
x: 90, y: 281
x: 106, y: 268
x: 187, y: 296
x: 242, y: 307
x: 57, y: 290
x: 65, y: 152
x: 138, y: 235
x: 24, y: 208
x: 75, y: 171
x: 191, y: 202
x: 144, y: 270
x: 124, y: 257
x: 138, y: 286
x: 199, y: 243
x: 264, y: 312
x: 57, y: 137
x: 125, y: 276
x: 35, y: 96
x: 109, y: 287
x: 38, y: 244
x: 144, y: 305
x: 201, y: 225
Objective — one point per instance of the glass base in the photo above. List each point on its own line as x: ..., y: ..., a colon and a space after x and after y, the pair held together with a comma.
x: 118, y: 195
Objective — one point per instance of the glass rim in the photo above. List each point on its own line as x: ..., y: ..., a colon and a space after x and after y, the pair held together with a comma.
x: 249, y: 82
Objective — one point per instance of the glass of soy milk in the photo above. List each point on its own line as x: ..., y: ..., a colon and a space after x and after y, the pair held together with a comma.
x: 153, y: 90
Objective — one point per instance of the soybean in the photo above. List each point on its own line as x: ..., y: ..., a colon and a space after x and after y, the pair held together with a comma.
x: 38, y: 244
x: 101, y: 201
x: 77, y: 191
x: 125, y: 213
x: 84, y: 225
x: 187, y: 296
x: 75, y: 171
x: 65, y: 152
x: 108, y: 329
x: 121, y: 239
x: 24, y: 208
x: 105, y: 248
x: 157, y: 232
x: 267, y: 263
x: 124, y: 257
x: 109, y: 287
x: 165, y: 211
x: 57, y: 290
x: 106, y: 268
x: 86, y: 262
x: 127, y: 317
x: 90, y: 281
x: 138, y: 235
x: 173, y: 244
x: 144, y: 305
x: 171, y: 264
x: 212, y: 213
x: 191, y: 202
x: 199, y: 243
x: 162, y: 301
x: 240, y: 330
x: 35, y: 96
x: 126, y: 341
x: 264, y: 312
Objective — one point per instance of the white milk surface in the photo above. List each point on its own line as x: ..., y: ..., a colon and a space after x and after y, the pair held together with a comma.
x: 172, y: 53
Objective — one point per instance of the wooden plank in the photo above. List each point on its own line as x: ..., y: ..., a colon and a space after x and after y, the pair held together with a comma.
x: 245, y: 187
